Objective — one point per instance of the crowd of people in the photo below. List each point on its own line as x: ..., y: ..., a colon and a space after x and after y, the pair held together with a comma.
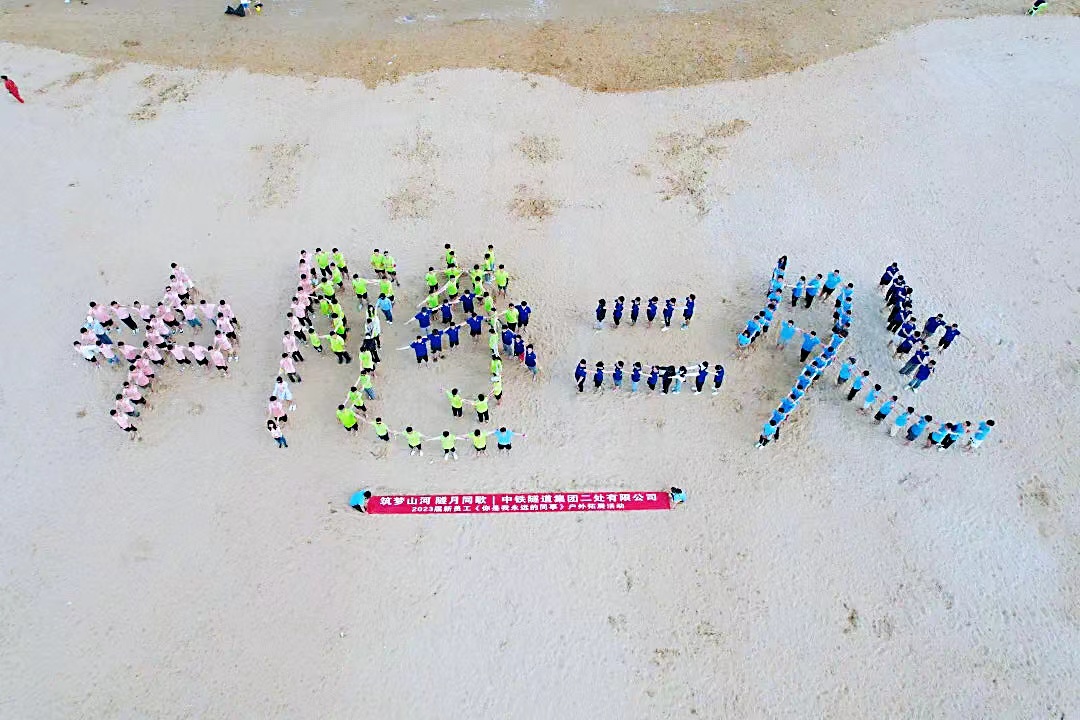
x: 161, y: 325
x: 652, y: 306
x: 908, y: 340
x: 668, y: 378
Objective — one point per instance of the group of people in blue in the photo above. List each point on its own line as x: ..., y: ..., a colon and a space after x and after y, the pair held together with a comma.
x: 908, y: 339
x: 668, y: 378
x: 651, y: 309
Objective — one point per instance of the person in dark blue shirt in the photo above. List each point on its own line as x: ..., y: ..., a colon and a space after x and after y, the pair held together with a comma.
x: 635, y: 376
x: 446, y: 312
x: 508, y: 340
x: 519, y: 347
x: 922, y: 375
x: 476, y: 324
x: 617, y: 313
x: 702, y: 376
x: 530, y: 360
x: 887, y: 277
x: 688, y: 310
x: 467, y: 299
x: 635, y: 310
x: 598, y: 375
x: 932, y: 325
x: 617, y: 376
x: 654, y: 377
x: 951, y: 333
x: 718, y: 378
x: 579, y: 375
x: 650, y: 311
x: 601, y: 313
x: 435, y: 341
x: 452, y: 335
x: 669, y: 310
x: 419, y: 347
x: 524, y: 311
x: 920, y: 354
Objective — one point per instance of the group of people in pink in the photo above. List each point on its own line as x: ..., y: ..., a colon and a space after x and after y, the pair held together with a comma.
x: 160, y: 324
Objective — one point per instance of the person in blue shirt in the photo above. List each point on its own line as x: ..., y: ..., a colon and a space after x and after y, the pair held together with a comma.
x: 787, y: 331
x: 847, y: 291
x: 846, y: 369
x: 580, y: 374
x: 778, y: 416
x: 384, y: 304
x: 635, y: 377
x: 938, y: 435
x: 654, y: 377
x: 419, y: 346
x: 358, y: 500
x: 871, y: 396
x: 650, y: 310
x: 810, y: 341
x: 900, y: 421
x: 920, y: 354
x: 885, y: 409
x: 753, y: 327
x: 767, y: 317
x: 524, y: 311
x: 508, y: 340
x: 856, y: 386
x: 601, y: 313
x: 718, y: 378
x: 956, y: 432
x: 917, y: 429
x: 617, y: 375
x: 812, y: 289
x: 836, y: 340
x: 423, y: 318
x: 831, y: 283
x: 907, y: 344
x: 951, y: 333
x: 467, y: 298
x: 932, y: 324
x: 887, y: 277
x: 669, y: 310
x: 803, y: 381
x: 446, y: 313
x: 435, y: 339
x: 797, y: 393
x: 635, y: 310
x: 519, y: 348
x: 980, y: 434
x: 788, y: 404
x: 617, y: 313
x: 504, y: 438
x: 702, y: 376
x: 775, y: 297
x: 598, y: 375
x: 677, y: 495
x: 922, y: 375
x: 476, y: 325
x: 743, y: 342
x: 798, y: 291
x: 452, y: 335
x: 530, y: 360
x: 770, y: 431
x: 688, y: 310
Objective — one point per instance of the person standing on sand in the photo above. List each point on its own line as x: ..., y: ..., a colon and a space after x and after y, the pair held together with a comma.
x: 275, y: 433
x: 12, y: 88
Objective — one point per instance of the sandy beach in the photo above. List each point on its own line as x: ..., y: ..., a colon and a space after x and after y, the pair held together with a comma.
x: 201, y: 572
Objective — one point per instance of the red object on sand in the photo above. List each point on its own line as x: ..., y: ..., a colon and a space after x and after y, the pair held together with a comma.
x: 506, y: 503
x: 13, y: 89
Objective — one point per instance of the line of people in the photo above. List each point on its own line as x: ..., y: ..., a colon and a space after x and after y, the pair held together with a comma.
x: 651, y: 308
x: 907, y: 339
x: 669, y: 378
x: 945, y: 436
x: 161, y: 326
x: 415, y: 440
x: 811, y: 371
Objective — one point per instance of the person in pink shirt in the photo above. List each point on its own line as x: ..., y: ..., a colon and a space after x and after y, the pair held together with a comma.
x: 295, y: 327
x: 154, y: 338
x: 276, y: 410
x: 165, y: 313
x: 288, y: 340
x: 129, y: 352
x: 123, y: 314
x: 138, y: 376
x: 191, y: 314
x: 177, y: 351
x: 182, y: 275
x: 124, y: 405
x: 131, y: 393
x: 159, y: 326
x: 222, y: 343
x: 89, y: 352
x: 199, y: 353
x: 208, y: 311
x: 87, y: 337
x: 100, y: 314
x: 107, y: 352
x: 225, y: 309
x: 289, y: 368
x: 219, y: 361
x: 124, y: 422
x: 225, y: 326
x: 171, y: 297
x: 152, y: 353
x: 305, y: 284
x: 143, y: 365
x: 145, y: 311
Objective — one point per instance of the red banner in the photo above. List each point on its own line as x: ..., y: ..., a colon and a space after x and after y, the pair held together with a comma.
x: 517, y: 503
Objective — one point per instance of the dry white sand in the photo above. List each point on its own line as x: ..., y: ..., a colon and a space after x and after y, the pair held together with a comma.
x: 203, y: 573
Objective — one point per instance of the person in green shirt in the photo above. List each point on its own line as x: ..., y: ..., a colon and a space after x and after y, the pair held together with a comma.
x: 322, y: 260
x: 326, y: 287
x: 510, y: 317
x: 337, y: 345
x: 451, y: 287
x: 339, y: 326
x: 378, y: 263
x: 432, y: 280
x: 489, y: 303
x: 502, y: 280
x: 315, y: 339
x: 390, y: 265
x: 477, y: 276
x: 359, y: 286
x: 335, y: 274
x: 381, y: 430
x: 456, y: 402
x: 496, y: 365
x: 356, y: 399
x: 493, y: 342
x: 324, y: 306
x: 448, y: 443
x: 366, y: 383
x: 367, y: 362
x: 497, y: 388
x: 451, y: 261
x: 347, y: 418
x: 478, y: 286
x: 481, y: 405
x: 415, y: 441
x: 479, y: 441
x: 387, y: 289
x: 432, y: 301
x: 339, y: 260
x: 489, y: 267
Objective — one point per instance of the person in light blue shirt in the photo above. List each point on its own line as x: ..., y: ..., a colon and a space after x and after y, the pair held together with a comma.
x: 938, y: 435
x: 900, y: 421
x: 744, y: 343
x: 386, y: 305
x: 871, y: 396
x: 803, y: 381
x: 885, y: 409
x: 770, y: 431
x: 980, y: 434
x: 810, y: 340
x: 846, y: 369
x: 778, y: 416
x: 831, y: 283
x: 504, y: 438
x: 788, y: 404
x: 917, y: 428
x: 358, y: 500
x: 812, y: 289
x: 787, y: 331
x: 797, y: 394
x: 798, y: 291
x: 857, y: 385
x: 753, y: 326
x: 767, y: 317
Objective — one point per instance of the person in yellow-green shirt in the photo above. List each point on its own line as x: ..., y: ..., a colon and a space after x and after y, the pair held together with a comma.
x: 415, y: 441
x: 378, y: 263
x: 347, y: 418
x: 456, y: 402
x: 381, y: 430
x: 481, y: 405
x: 480, y: 440
x: 449, y: 441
